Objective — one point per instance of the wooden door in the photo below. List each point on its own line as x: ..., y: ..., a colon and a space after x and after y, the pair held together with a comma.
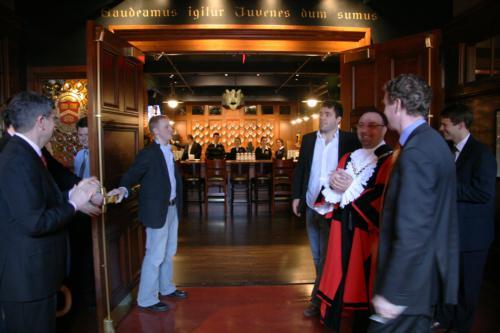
x: 116, y: 111
x: 364, y: 71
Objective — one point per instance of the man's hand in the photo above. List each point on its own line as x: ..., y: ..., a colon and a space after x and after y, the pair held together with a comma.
x: 295, y: 207
x: 340, y: 180
x: 119, y: 193
x: 90, y: 210
x: 79, y: 196
x: 97, y: 199
x: 90, y: 185
x: 385, y: 309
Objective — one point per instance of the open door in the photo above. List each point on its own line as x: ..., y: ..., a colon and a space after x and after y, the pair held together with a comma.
x: 115, y: 115
x: 364, y: 71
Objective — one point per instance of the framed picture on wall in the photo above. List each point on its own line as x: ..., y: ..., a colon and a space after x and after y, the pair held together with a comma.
x: 285, y: 110
x: 250, y: 110
x: 197, y: 110
x: 214, y: 110
x: 267, y: 109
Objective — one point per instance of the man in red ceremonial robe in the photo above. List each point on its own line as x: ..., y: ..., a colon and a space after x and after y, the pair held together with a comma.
x: 356, y: 190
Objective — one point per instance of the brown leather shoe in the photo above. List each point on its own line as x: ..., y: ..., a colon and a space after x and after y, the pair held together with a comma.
x: 311, y: 311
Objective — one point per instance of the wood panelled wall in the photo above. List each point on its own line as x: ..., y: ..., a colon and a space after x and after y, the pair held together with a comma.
x: 186, y: 123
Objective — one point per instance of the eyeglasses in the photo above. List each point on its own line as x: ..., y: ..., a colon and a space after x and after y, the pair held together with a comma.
x: 369, y: 125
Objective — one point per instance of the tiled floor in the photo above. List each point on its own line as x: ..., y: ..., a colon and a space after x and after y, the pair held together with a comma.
x: 229, y: 309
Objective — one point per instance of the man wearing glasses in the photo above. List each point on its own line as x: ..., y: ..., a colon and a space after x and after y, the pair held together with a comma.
x: 356, y: 189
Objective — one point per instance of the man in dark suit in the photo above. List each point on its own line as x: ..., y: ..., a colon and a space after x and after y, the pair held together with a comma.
x: 64, y: 178
x: 418, y: 249
x: 160, y: 204
x: 33, y: 216
x: 215, y: 150
x: 192, y: 148
x: 476, y: 178
x: 319, y: 155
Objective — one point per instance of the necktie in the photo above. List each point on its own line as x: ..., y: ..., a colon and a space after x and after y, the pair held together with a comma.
x: 44, y: 161
x: 455, y: 152
x: 84, y: 164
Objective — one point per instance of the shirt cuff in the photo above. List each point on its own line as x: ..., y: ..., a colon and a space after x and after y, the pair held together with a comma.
x: 126, y: 191
x: 72, y: 204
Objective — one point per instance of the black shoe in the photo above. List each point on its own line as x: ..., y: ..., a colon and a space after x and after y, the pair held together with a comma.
x: 311, y: 311
x: 158, y: 307
x: 178, y: 294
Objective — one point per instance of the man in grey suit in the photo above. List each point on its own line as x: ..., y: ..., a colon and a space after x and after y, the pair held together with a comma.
x: 418, y: 251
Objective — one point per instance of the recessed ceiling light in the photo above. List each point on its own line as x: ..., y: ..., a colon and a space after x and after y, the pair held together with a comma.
x: 297, y: 75
x: 225, y: 74
x: 258, y: 74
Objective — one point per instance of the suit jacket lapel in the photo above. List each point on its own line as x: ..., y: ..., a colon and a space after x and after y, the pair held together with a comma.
x: 465, y: 152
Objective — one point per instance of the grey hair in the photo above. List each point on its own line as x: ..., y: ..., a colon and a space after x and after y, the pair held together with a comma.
x: 413, y: 92
x: 25, y: 107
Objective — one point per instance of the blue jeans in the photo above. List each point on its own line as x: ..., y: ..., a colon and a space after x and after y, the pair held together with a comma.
x: 157, y: 266
x: 318, y: 231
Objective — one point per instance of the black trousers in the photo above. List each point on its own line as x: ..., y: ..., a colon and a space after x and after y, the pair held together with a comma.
x: 461, y: 317
x: 29, y: 317
x: 403, y: 324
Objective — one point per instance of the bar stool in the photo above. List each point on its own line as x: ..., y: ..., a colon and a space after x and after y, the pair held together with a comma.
x: 216, y: 177
x: 282, y: 181
x: 194, y: 184
x: 240, y: 183
x: 262, y: 182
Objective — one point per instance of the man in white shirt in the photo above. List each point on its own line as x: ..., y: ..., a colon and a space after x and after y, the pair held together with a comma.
x: 319, y: 155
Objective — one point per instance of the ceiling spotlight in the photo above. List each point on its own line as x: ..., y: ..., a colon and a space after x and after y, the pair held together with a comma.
x: 258, y: 74
x: 315, y: 116
x: 293, y: 122
x: 297, y: 75
x: 298, y: 120
x: 225, y: 74
x: 311, y: 102
x: 305, y: 118
x: 171, y: 76
x: 172, y: 100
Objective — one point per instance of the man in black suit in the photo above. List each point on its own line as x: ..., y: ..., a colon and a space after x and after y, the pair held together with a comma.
x: 64, y: 178
x: 215, y: 150
x: 33, y: 217
x: 192, y: 148
x: 418, y: 249
x: 319, y: 155
x: 160, y: 204
x: 476, y: 178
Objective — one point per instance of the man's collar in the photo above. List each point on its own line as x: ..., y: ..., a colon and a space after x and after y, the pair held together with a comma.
x: 461, y: 144
x: 320, y: 136
x: 31, y: 143
x: 405, y: 134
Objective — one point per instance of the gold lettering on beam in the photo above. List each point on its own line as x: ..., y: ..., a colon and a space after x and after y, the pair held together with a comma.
x: 313, y: 14
x: 259, y: 12
x: 357, y: 16
x: 204, y: 11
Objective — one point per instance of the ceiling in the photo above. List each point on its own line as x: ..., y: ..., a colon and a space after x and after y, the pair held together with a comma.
x: 261, y: 77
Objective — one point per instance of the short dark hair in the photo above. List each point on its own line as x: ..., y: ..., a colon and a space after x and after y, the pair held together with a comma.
x: 153, y: 122
x: 216, y: 133
x: 336, y: 106
x: 189, y: 136
x: 385, y: 121
x: 25, y: 107
x: 413, y: 92
x: 82, y: 123
x: 458, y: 112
